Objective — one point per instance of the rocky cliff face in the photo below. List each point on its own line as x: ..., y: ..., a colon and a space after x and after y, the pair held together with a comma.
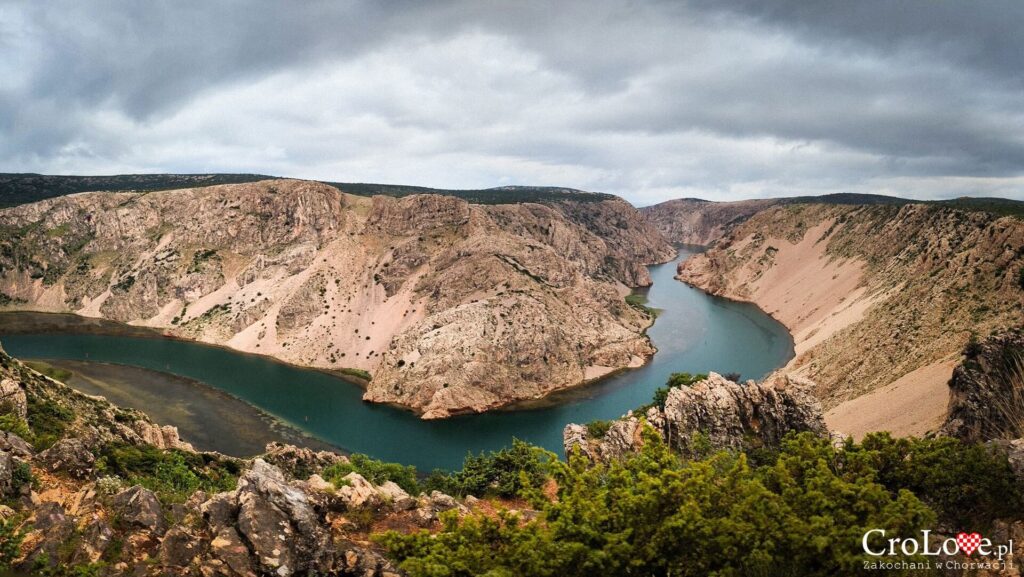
x: 711, y: 415
x: 872, y: 294
x: 987, y: 392
x: 279, y: 517
x: 452, y: 306
x: 703, y: 222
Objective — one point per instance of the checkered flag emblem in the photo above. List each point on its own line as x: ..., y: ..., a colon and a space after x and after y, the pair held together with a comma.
x: 968, y: 542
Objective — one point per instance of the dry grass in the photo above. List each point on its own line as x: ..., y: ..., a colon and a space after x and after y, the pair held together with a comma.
x: 1010, y: 411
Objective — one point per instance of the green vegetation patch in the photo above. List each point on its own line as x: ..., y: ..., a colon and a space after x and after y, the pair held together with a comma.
x: 804, y: 512
x: 503, y: 473
x: 639, y: 302
x: 55, y: 373
x: 172, y: 474
x: 357, y: 373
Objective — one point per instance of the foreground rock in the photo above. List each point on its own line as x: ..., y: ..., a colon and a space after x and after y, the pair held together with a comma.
x: 279, y: 520
x: 452, y: 307
x: 713, y: 414
x: 987, y: 390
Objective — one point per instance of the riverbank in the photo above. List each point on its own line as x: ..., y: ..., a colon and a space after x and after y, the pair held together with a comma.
x: 208, y: 418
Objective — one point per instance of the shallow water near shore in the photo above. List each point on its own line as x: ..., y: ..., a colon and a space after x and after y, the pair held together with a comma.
x: 695, y: 332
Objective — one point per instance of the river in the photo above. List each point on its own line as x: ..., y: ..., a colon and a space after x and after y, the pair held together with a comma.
x: 694, y: 332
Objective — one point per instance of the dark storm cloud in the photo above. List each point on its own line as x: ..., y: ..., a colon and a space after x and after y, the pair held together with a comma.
x: 646, y: 99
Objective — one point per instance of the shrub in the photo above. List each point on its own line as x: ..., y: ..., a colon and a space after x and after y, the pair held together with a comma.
x: 22, y: 476
x: 654, y: 514
x: 11, y: 537
x: 598, y: 429
x: 173, y: 475
x: 503, y: 473
x: 12, y: 423
x: 374, y: 471
x: 968, y: 485
x: 48, y: 421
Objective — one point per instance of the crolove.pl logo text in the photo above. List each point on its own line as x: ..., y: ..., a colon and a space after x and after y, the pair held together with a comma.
x: 980, y: 551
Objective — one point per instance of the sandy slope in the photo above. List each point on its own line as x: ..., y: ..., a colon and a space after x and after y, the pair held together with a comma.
x: 912, y: 405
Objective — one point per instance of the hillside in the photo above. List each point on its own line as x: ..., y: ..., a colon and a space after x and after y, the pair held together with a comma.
x: 23, y: 188
x: 451, y: 306
x: 703, y: 222
x: 875, y: 296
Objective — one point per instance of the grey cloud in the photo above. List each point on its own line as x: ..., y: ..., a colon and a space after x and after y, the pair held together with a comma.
x: 645, y: 99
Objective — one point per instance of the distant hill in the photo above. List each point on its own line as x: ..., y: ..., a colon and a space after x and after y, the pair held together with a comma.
x: 498, y: 195
x: 702, y: 222
x: 23, y: 188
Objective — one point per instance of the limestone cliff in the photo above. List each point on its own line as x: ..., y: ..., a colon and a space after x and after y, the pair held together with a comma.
x: 452, y: 306
x: 987, y: 391
x: 875, y: 296
x: 713, y: 414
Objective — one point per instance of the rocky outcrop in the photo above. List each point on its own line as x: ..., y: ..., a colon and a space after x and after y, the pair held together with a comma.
x: 162, y: 437
x: 452, y: 307
x: 12, y: 397
x: 987, y: 390
x: 713, y: 414
x: 69, y: 456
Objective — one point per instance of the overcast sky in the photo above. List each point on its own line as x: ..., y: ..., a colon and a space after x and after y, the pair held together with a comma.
x: 648, y: 100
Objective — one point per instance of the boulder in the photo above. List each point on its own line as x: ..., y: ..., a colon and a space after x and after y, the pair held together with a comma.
x: 430, y: 506
x: 300, y: 462
x: 68, y: 456
x: 96, y: 537
x: 220, y: 510
x: 180, y: 547
x: 15, y: 445
x: 165, y: 437
x: 54, y: 527
x: 138, y: 507
x: 358, y: 492
x: 7, y: 465
x: 396, y: 496
x: 12, y: 398
x: 278, y: 522
x: 228, y: 551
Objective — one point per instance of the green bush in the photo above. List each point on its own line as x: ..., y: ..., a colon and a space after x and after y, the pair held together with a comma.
x: 173, y: 475
x: 12, y: 423
x: 11, y: 537
x: 598, y: 429
x: 654, y: 514
x: 502, y: 473
x: 48, y: 421
x: 968, y: 485
x: 374, y: 471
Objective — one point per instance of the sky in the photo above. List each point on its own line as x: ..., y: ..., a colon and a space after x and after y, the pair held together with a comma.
x: 717, y: 99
